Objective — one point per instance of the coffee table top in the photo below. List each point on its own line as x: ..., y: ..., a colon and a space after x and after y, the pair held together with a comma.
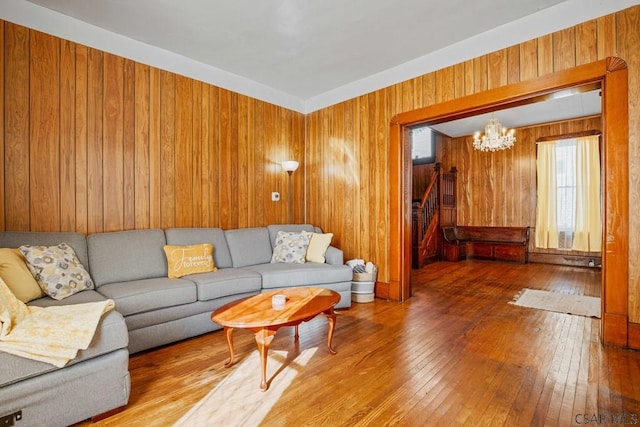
x: 257, y: 311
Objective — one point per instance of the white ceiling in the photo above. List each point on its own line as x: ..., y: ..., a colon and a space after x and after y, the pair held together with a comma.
x: 570, y: 106
x: 303, y: 54
x: 300, y: 47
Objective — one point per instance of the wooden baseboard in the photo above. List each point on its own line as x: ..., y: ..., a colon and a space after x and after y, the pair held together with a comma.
x: 558, y: 259
x: 614, y: 330
x: 382, y: 290
x: 634, y: 336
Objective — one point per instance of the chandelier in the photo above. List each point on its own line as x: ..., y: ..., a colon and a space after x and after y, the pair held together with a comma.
x: 495, y: 137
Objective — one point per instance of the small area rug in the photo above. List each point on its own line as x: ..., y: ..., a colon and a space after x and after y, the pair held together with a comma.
x: 562, y: 303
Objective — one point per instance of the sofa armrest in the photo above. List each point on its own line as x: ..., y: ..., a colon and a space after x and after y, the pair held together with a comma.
x: 334, y: 256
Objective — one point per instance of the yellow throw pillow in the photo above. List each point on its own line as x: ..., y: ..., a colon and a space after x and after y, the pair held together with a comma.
x: 189, y: 259
x: 318, y: 247
x: 16, y: 275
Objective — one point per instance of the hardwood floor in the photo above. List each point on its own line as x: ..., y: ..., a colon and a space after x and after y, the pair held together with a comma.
x: 456, y: 353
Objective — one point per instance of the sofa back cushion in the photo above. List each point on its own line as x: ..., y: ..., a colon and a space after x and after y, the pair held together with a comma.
x: 127, y: 255
x: 15, y: 239
x: 249, y: 246
x: 273, y: 230
x: 194, y: 236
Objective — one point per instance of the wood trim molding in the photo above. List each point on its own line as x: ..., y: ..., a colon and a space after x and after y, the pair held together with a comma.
x: 611, y: 73
x: 634, y: 336
x: 569, y: 135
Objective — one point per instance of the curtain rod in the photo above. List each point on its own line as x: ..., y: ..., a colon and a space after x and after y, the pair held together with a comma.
x: 569, y: 135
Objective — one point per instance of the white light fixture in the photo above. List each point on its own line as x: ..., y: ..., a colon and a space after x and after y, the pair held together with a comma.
x: 290, y: 166
x: 495, y: 137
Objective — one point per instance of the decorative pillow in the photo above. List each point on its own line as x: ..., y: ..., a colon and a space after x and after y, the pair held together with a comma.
x: 318, y: 247
x: 189, y: 259
x: 291, y: 246
x: 16, y: 275
x: 57, y: 270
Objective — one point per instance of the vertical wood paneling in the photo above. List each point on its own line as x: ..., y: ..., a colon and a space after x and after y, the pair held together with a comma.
x: 155, y: 149
x: 143, y: 169
x: 528, y: 60
x: 497, y: 74
x: 67, y: 136
x: 196, y: 154
x: 17, y: 118
x: 513, y: 64
x: 214, y: 156
x: 564, y: 49
x: 545, y: 55
x: 606, y: 36
x: 81, y: 161
x: 113, y: 143
x: 167, y: 144
x: 129, y: 147
x: 226, y: 184
x: 44, y: 146
x: 183, y: 166
x: 586, y: 49
x: 242, y: 163
x: 95, y: 212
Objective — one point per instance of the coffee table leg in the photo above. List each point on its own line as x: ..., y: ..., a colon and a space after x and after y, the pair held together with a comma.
x: 331, y: 317
x: 263, y: 339
x: 228, y: 333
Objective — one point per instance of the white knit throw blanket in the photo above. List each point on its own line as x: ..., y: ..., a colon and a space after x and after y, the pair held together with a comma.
x: 51, y: 334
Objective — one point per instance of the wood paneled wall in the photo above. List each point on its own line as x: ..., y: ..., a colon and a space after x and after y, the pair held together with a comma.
x: 94, y: 142
x: 359, y: 213
x: 499, y: 189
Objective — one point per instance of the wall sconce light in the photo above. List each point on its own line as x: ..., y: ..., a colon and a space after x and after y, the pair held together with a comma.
x: 290, y: 166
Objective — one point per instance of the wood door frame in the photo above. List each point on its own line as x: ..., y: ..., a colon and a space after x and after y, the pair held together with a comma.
x: 611, y: 73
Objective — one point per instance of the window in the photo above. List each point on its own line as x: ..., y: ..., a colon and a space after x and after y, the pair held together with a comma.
x: 568, y: 213
x: 566, y: 190
x: 423, y: 145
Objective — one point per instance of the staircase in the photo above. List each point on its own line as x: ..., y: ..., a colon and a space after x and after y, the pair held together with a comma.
x: 436, y: 209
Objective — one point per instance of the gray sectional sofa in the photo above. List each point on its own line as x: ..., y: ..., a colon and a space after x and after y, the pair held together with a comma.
x: 151, y: 309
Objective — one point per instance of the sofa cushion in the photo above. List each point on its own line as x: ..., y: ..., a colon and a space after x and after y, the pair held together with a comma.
x: 15, y: 273
x: 307, y: 274
x: 110, y: 335
x: 249, y: 246
x: 15, y: 239
x: 138, y: 296
x: 57, y: 269
x: 126, y: 255
x: 189, y: 259
x: 192, y: 236
x: 225, y: 282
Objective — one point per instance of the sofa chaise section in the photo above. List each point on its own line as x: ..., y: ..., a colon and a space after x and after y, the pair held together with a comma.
x: 95, y: 382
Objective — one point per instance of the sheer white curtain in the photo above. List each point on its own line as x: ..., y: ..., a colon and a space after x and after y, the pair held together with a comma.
x: 588, y: 222
x: 568, y: 207
x: 546, y: 218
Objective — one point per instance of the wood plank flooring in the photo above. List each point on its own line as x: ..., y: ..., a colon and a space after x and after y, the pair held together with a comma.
x: 456, y: 353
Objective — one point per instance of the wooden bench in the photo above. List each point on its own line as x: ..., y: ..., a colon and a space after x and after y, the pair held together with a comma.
x: 494, y: 243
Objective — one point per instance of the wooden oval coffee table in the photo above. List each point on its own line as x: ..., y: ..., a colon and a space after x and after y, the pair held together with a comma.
x: 258, y: 315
